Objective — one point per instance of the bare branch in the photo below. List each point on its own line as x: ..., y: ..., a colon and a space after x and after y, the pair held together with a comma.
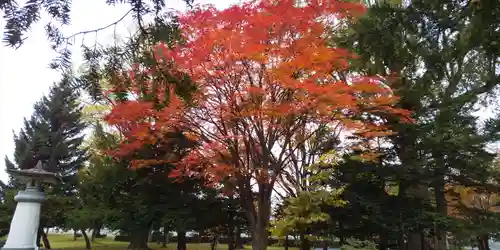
x: 98, y: 29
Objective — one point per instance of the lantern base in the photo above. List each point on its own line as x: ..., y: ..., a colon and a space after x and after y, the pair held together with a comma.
x: 24, y: 226
x: 27, y: 248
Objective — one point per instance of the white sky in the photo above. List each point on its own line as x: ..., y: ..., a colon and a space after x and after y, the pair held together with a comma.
x: 24, y: 73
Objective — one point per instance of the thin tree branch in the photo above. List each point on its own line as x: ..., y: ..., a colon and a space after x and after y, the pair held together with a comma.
x: 99, y: 29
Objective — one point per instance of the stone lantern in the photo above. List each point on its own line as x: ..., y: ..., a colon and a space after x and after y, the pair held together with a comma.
x: 24, y: 225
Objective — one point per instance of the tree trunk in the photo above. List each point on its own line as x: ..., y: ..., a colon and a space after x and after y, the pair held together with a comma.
x: 304, y: 241
x: 97, y: 229
x: 447, y: 242
x: 286, y: 244
x: 181, y: 240
x: 384, y: 241
x: 87, y: 240
x: 258, y: 214
x: 341, y: 233
x: 230, y: 235
x: 440, y: 205
x: 259, y: 237
x: 483, y: 243
x: 96, y: 232
x: 74, y: 234
x: 39, y: 236
x: 410, y: 188
x: 165, y: 235
x: 237, y: 239
x: 45, y: 240
x: 150, y: 236
x: 213, y: 242
x: 486, y: 243
x: 425, y: 242
x: 401, y: 241
x: 325, y: 245
x: 150, y: 233
x: 139, y: 239
x: 480, y: 244
x: 416, y: 240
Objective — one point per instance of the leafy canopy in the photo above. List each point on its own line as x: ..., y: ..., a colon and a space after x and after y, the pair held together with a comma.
x: 262, y: 70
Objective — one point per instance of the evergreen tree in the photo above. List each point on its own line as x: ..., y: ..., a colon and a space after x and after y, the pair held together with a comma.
x: 53, y: 134
x: 437, y: 57
x: 441, y: 59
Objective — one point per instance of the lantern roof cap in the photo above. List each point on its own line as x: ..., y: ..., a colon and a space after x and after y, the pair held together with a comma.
x: 36, y: 173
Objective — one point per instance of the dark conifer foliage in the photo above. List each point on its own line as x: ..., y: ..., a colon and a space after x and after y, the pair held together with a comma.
x: 441, y: 59
x: 53, y: 134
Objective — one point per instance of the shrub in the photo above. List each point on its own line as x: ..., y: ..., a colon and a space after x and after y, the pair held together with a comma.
x: 354, y: 244
x: 125, y: 238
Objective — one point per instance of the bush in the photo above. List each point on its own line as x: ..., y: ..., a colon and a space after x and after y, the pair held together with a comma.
x: 125, y: 238
x: 353, y: 244
x: 2, y: 243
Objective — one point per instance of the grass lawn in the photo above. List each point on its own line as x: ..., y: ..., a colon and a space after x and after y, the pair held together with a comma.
x: 59, y: 241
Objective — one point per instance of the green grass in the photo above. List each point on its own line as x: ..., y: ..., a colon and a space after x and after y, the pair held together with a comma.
x: 59, y: 241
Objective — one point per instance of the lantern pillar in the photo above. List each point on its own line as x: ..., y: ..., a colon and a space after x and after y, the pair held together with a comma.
x: 23, y: 231
x: 24, y: 226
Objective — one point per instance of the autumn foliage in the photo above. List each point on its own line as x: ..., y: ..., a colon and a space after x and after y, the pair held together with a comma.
x: 266, y: 78
x: 460, y: 199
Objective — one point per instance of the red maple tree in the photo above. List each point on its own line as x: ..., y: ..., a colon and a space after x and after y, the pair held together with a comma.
x: 266, y: 81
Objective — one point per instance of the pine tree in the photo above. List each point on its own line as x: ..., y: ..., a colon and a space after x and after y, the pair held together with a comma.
x: 437, y: 58
x: 53, y: 134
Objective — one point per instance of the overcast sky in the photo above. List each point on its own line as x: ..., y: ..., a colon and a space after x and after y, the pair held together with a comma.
x: 24, y: 73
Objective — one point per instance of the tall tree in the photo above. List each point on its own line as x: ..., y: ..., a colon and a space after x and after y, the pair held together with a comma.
x: 263, y: 72
x: 54, y: 136
x: 437, y: 57
x: 149, y: 191
x: 134, y: 201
